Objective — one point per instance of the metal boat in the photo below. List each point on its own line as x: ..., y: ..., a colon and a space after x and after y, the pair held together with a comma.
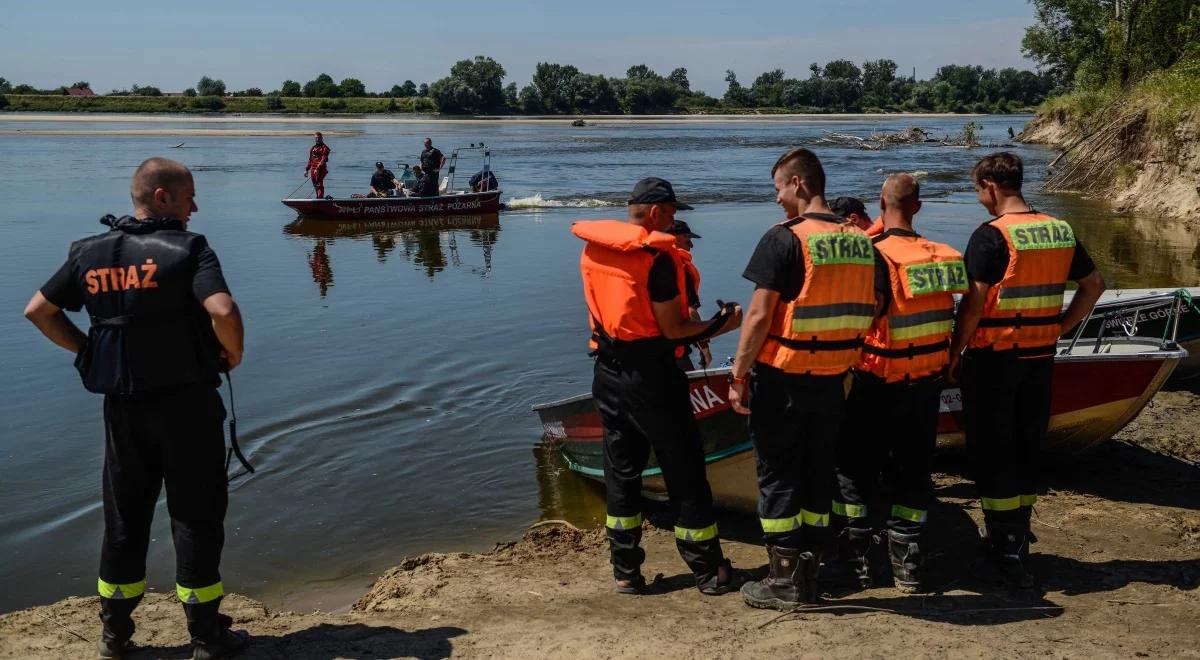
x: 1100, y: 385
x: 1139, y: 312
x: 449, y: 202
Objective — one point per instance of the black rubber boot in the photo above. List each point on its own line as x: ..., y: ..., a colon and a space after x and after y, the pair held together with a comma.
x: 116, y: 615
x: 211, y: 636
x: 854, y: 550
x: 783, y: 588
x: 1005, y: 553
x: 908, y: 563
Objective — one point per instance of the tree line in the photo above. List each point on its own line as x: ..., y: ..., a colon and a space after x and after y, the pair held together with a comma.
x: 477, y: 86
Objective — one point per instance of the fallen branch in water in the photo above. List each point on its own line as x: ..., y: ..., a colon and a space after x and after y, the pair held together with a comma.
x: 555, y: 522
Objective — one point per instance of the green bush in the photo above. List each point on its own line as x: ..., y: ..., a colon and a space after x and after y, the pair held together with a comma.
x: 3, y: 101
x: 212, y: 103
x: 274, y: 102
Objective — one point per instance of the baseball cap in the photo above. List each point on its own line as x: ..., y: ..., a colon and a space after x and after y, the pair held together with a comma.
x: 844, y: 206
x: 681, y: 228
x: 378, y: 163
x: 653, y: 190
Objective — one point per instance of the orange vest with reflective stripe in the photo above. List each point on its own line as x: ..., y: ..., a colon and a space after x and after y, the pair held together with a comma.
x: 821, y: 332
x: 912, y: 338
x: 1023, y: 311
x: 685, y: 258
x: 615, y: 265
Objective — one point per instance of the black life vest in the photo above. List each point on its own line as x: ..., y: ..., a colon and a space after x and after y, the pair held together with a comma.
x: 148, y: 332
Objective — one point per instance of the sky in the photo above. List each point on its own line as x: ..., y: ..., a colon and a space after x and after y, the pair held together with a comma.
x: 261, y: 43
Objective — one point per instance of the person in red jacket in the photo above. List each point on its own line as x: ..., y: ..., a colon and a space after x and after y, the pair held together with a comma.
x: 318, y: 158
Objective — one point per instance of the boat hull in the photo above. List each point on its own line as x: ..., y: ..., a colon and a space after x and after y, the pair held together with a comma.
x: 1149, y: 322
x: 369, y: 208
x: 1082, y: 416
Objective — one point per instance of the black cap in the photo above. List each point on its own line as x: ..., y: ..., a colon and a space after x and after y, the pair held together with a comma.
x: 681, y: 228
x: 653, y: 190
x: 845, y: 206
x: 378, y: 163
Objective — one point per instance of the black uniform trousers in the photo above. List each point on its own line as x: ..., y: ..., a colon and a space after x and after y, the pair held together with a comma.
x: 642, y: 398
x: 794, y: 424
x: 1006, y: 410
x: 885, y: 446
x: 173, y: 437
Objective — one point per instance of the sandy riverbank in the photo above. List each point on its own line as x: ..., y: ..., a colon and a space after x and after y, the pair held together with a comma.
x: 1119, y: 556
x: 608, y: 120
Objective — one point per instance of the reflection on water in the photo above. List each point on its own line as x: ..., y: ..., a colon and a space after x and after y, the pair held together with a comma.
x: 564, y: 495
x: 429, y: 243
x: 1137, y: 251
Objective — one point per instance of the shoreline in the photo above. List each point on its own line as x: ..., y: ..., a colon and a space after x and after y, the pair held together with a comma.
x: 1119, y: 560
x: 83, y: 117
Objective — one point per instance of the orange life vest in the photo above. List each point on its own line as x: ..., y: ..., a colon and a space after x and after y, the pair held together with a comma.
x: 912, y: 338
x: 876, y: 227
x: 685, y: 258
x: 1023, y: 312
x: 615, y: 266
x: 821, y: 332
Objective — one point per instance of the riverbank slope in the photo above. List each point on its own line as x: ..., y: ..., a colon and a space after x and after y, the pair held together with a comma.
x: 1119, y: 554
x: 1139, y: 149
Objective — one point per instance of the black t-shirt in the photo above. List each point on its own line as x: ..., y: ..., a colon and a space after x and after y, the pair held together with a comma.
x: 663, y: 285
x: 487, y: 179
x: 777, y: 263
x: 66, y: 288
x: 987, y: 257
x: 431, y: 160
x: 383, y: 180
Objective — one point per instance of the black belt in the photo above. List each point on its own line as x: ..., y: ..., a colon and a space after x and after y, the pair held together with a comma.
x: 814, y: 345
x: 911, y: 351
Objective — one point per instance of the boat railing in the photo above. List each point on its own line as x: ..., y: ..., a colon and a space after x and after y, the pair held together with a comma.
x: 1127, y: 317
x: 450, y: 172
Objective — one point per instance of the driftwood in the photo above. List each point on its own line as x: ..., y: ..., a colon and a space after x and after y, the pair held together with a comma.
x: 910, y: 135
x: 1093, y: 163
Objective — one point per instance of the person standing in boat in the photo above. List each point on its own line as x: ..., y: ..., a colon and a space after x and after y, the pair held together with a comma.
x: 432, y: 160
x: 890, y: 434
x: 813, y: 302
x: 163, y: 326
x: 318, y: 161
x: 633, y: 285
x: 1008, y: 323
x: 683, y: 241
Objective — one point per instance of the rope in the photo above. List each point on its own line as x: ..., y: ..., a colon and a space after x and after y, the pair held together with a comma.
x: 298, y: 187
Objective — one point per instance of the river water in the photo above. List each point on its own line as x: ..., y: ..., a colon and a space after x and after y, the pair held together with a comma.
x: 385, y: 396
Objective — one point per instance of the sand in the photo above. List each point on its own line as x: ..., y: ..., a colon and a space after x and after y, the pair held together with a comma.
x: 1119, y: 560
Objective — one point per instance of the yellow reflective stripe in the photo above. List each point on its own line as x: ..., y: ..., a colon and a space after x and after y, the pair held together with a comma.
x: 911, y: 515
x: 1032, y: 302
x: 200, y: 594
x: 814, y: 519
x: 935, y: 328
x: 121, y: 591
x: 704, y: 534
x: 850, y: 510
x: 623, y: 522
x: 831, y: 323
x: 776, y: 525
x: 1001, y: 504
x: 1028, y: 500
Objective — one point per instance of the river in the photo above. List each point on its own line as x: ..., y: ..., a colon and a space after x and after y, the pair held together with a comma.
x: 385, y: 395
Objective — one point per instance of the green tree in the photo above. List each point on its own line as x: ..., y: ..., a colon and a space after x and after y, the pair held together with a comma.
x: 455, y: 97
x: 530, y: 101
x: 878, y: 77
x: 81, y: 84
x: 767, y: 90
x: 511, y: 101
x: 274, y: 102
x: 322, y: 87
x: 290, y: 88
x: 423, y: 90
x: 680, y: 77
x: 352, y: 87
x: 209, y: 87
x: 408, y: 89
x: 148, y: 90
x: 5, y: 86
x: 3, y: 101
x: 843, y: 70
x: 485, y: 77
x: 555, y: 85
x: 736, y: 96
x: 190, y: 92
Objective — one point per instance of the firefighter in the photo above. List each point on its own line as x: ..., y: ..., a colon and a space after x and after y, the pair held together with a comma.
x: 1018, y: 264
x: 163, y: 326
x: 683, y: 240
x: 635, y: 290
x: 813, y: 303
x: 897, y: 387
x: 317, y: 168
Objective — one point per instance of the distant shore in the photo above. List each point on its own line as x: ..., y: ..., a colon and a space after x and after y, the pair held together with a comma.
x: 611, y: 120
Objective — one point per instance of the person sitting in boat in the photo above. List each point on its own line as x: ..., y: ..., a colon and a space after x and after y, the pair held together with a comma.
x: 383, y: 182
x: 427, y: 185
x: 683, y: 240
x: 483, y: 181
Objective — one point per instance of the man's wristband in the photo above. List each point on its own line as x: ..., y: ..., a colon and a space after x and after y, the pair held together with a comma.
x: 734, y: 380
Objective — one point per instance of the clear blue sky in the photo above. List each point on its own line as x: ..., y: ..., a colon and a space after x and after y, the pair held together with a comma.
x: 261, y: 43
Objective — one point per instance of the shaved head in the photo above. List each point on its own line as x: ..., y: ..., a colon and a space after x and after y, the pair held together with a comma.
x: 157, y: 173
x: 901, y: 190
